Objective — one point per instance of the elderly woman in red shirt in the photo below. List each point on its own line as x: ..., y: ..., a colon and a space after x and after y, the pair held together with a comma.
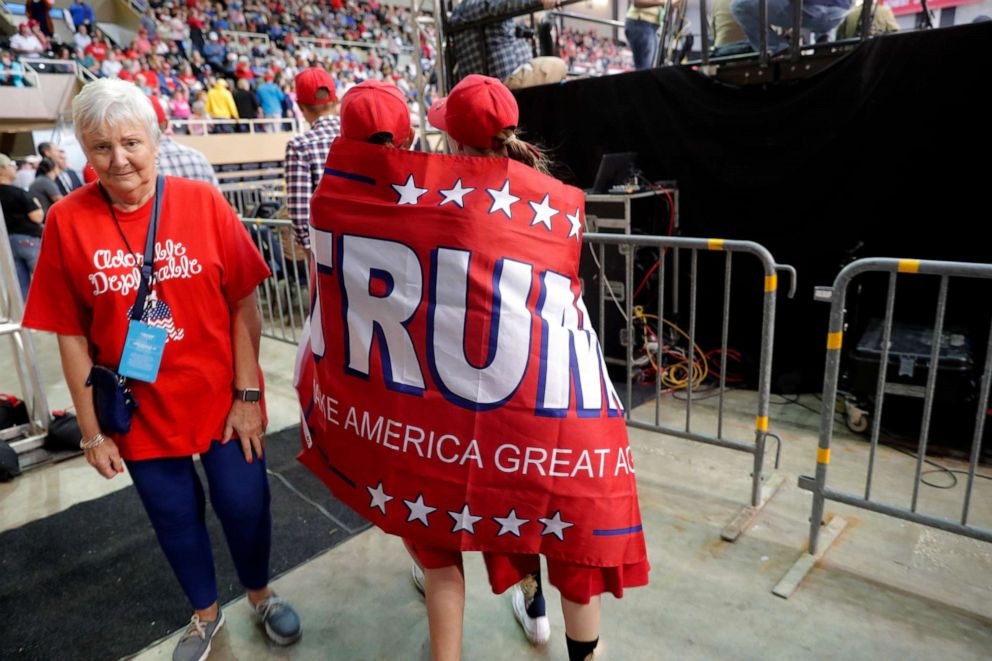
x: 190, y: 351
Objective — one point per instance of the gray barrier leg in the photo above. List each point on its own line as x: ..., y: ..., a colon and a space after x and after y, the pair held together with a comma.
x: 807, y: 560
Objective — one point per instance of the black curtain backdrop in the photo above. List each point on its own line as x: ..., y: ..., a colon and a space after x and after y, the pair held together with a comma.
x: 883, y: 154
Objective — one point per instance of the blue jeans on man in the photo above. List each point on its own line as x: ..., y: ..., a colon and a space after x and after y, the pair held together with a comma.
x: 642, y: 37
x: 817, y: 18
x: 25, y: 249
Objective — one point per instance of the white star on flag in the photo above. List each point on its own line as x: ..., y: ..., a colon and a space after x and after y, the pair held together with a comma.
x: 543, y: 212
x: 418, y: 510
x: 455, y: 194
x: 502, y: 200
x: 510, y: 523
x: 409, y: 193
x: 575, y: 225
x: 555, y: 526
x: 464, y: 520
x: 379, y: 497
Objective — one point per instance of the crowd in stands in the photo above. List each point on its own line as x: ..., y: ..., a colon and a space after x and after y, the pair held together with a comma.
x: 184, y: 47
x: 589, y: 53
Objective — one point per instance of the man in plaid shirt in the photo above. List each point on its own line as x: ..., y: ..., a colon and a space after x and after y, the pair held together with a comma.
x: 495, y: 50
x: 176, y: 160
x: 307, y: 153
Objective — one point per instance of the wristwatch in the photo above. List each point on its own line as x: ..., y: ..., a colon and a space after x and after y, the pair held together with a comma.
x: 248, y: 394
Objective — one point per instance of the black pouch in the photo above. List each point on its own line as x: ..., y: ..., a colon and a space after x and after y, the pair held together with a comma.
x: 112, y: 400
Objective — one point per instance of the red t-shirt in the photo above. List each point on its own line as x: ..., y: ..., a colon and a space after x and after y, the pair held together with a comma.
x: 150, y: 78
x: 86, y: 282
x: 97, y: 50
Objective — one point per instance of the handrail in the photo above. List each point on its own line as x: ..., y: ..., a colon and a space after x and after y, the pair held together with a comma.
x: 589, y: 19
x: 137, y: 6
x: 253, y: 124
x: 29, y: 74
x: 499, y: 18
x: 83, y: 74
x: 250, y: 36
x: 324, y: 42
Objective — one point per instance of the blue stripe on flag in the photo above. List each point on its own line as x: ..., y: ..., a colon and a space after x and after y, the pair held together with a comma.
x: 349, y: 175
x: 618, y: 531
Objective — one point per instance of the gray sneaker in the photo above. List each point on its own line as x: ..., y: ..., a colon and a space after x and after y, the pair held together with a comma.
x: 194, y: 644
x: 282, y: 624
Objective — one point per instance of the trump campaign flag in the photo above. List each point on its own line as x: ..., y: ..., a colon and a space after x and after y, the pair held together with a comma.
x: 452, y: 388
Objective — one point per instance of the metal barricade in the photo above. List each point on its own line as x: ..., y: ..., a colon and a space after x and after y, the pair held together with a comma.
x: 248, y: 197
x: 284, y: 297
x: 26, y: 439
x: 818, y: 484
x: 760, y: 491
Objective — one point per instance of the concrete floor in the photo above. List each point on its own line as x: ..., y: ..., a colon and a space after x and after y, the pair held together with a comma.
x: 885, y: 590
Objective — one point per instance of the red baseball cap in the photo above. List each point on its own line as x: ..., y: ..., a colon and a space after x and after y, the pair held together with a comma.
x: 159, y: 113
x: 309, y: 82
x: 475, y: 111
x: 375, y: 107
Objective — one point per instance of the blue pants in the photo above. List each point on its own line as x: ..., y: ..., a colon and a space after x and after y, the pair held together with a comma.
x: 239, y: 492
x: 643, y: 39
x: 819, y: 19
x: 25, y: 249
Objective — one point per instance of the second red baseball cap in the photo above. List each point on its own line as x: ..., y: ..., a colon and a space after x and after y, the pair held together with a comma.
x: 475, y: 111
x: 375, y: 107
x: 159, y: 112
x: 310, y: 81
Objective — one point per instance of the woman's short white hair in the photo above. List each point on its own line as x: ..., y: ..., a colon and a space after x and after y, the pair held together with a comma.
x: 110, y: 102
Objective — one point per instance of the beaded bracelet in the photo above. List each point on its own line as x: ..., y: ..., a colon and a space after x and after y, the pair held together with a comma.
x: 93, y: 442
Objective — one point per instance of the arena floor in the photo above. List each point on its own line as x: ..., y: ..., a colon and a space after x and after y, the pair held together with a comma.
x: 885, y: 590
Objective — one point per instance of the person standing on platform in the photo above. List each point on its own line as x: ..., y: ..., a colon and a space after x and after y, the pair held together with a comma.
x: 818, y: 16
x: 644, y: 18
x: 496, y: 50
x: 306, y: 154
x: 189, y: 352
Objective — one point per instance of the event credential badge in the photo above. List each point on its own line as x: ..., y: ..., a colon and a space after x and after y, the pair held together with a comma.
x: 143, y: 349
x: 452, y: 387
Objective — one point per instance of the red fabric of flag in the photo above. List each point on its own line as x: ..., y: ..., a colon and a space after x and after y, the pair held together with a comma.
x: 453, y: 390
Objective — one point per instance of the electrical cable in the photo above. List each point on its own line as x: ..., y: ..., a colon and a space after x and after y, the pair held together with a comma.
x: 938, y: 468
x: 609, y: 290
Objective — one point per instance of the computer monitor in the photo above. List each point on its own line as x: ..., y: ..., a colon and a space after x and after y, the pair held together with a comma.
x: 613, y: 169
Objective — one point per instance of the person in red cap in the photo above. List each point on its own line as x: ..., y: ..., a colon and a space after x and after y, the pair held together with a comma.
x: 376, y: 112
x: 480, y: 118
x: 26, y: 43
x: 178, y: 160
x: 316, y: 94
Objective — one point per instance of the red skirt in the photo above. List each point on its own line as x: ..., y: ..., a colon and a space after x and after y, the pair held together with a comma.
x: 577, y: 583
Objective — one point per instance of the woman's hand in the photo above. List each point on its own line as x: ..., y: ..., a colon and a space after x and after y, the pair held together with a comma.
x: 106, y: 459
x: 245, y: 418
